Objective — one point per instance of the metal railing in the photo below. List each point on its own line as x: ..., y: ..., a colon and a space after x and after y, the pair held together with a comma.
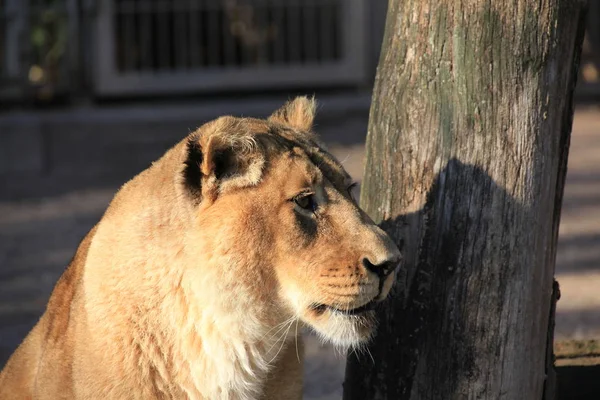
x: 96, y: 48
x: 159, y: 46
x: 139, y: 47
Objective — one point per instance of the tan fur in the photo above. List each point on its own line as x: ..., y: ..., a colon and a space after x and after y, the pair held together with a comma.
x: 196, y: 280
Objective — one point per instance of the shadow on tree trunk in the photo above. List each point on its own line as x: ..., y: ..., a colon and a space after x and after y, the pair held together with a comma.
x: 428, y: 330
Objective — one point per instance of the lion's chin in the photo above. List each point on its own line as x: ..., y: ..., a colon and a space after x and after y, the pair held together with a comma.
x: 342, y: 329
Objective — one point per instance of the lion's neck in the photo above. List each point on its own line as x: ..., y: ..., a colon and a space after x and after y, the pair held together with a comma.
x: 229, y: 344
x: 196, y: 334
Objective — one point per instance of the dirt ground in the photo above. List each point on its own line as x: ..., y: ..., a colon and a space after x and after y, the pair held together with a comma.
x: 44, y: 216
x: 578, y: 254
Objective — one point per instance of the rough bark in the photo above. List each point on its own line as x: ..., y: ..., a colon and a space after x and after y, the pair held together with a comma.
x: 466, y: 157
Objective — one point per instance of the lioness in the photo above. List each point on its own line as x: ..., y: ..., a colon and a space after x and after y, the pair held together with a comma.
x: 192, y: 284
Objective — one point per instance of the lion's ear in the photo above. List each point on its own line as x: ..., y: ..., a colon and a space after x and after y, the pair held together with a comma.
x: 298, y: 113
x: 217, y: 162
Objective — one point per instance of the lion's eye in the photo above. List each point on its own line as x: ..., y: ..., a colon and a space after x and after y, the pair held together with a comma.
x: 306, y: 202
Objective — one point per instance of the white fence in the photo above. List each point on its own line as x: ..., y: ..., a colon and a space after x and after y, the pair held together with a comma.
x: 108, y: 48
x: 162, y: 46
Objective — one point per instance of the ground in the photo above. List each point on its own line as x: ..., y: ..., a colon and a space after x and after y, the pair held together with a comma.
x: 578, y: 254
x: 62, y: 168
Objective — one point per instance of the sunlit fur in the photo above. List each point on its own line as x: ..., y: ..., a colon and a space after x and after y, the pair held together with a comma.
x: 197, y: 290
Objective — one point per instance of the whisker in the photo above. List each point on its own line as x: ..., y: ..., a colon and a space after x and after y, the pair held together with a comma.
x: 282, y: 342
x: 297, y: 353
x: 345, y: 159
x: 282, y: 326
x: 278, y: 327
x: 342, y: 294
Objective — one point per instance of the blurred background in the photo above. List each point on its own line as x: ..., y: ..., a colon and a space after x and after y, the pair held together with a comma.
x: 92, y: 91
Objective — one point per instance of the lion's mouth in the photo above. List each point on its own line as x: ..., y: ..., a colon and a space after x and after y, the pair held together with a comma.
x: 321, y: 308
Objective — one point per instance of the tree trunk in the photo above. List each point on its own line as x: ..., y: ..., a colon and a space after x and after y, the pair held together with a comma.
x: 466, y: 158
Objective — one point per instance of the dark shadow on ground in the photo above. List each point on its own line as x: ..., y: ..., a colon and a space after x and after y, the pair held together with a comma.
x: 579, y: 382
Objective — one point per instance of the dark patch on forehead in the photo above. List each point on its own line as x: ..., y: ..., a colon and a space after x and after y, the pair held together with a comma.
x: 329, y: 166
x: 276, y: 141
x: 280, y: 139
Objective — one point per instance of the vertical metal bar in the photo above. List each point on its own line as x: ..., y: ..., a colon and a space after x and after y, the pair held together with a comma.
x: 162, y: 14
x: 180, y: 42
x: 86, y: 45
x: 127, y: 14
x: 352, y: 38
x: 195, y: 49
x: 105, y: 63
x: 300, y: 44
x: 213, y: 34
x: 326, y: 40
x: 74, y: 75
x: 145, y: 9
x: 244, y: 40
x: 310, y: 34
x: 293, y: 38
x: 262, y: 23
x: 229, y: 48
x: 340, y: 20
x: 269, y: 24
x: 280, y: 31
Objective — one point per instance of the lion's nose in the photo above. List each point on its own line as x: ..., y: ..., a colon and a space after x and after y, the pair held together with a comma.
x: 382, y: 269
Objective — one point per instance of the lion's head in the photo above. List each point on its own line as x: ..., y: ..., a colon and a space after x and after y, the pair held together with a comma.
x: 278, y: 209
